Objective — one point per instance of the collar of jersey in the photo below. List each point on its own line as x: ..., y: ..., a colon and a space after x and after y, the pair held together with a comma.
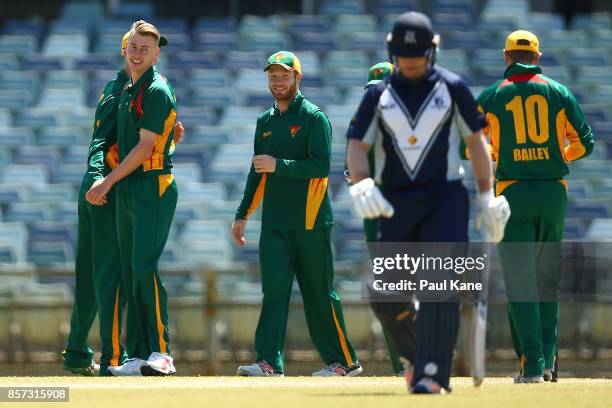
x: 147, y: 76
x: 518, y: 68
x: 120, y: 81
x: 297, y: 99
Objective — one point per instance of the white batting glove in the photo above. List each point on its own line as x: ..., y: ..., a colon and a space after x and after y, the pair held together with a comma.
x: 493, y: 215
x: 369, y: 201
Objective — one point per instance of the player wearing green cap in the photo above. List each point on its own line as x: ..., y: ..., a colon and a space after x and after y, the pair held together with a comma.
x: 146, y: 200
x: 97, y: 267
x: 536, y: 128
x: 289, y: 175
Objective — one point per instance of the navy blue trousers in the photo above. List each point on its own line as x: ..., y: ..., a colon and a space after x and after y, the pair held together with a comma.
x: 433, y: 214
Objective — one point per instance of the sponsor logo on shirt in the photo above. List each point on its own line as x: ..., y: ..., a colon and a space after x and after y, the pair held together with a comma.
x: 266, y: 134
x: 294, y: 129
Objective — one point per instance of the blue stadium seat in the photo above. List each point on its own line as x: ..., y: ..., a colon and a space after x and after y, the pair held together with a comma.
x: 62, y: 137
x: 552, y: 58
x: 220, y: 42
x: 574, y: 229
x: 498, y: 22
x: 214, y: 25
x: 200, y: 156
x: 177, y: 42
x: 345, y: 77
x: 65, y: 98
x: 30, y: 27
x: 29, y: 174
x: 340, y: 115
x: 15, y: 99
x: 301, y: 23
x: 69, y: 173
x: 47, y: 253
x: 266, y: 42
x: 187, y: 211
x: 206, y: 193
x: 195, y: 60
x: 334, y: 7
x: 322, y: 96
x: 6, y: 119
x: 594, y: 57
x: 586, y: 211
x: 66, y: 211
x: 171, y: 25
x: 364, y: 41
x: 52, y: 194
x: 542, y: 22
x: 12, y: 192
x: 211, y: 97
x: 76, y: 155
x: 66, y: 79
x: 559, y: 39
x: 593, y: 21
x: 455, y: 60
x: 314, y: 41
x: 15, y: 233
x: 22, y: 45
x: 8, y: 62
x: 47, y: 155
x: 208, y: 135
x: 37, y: 118
x: 187, y: 172
x: 464, y: 40
x: 337, y: 58
x: 94, y: 62
x: 109, y: 43
x: 16, y: 136
x: 245, y: 60
x: 19, y: 80
x: 209, y: 78
x: 458, y: 21
x: 355, y: 23
x: 53, y: 231
x: 133, y: 10
x: 90, y: 11
x: 66, y: 45
x: 80, y: 26
x: 40, y: 62
x: 221, y: 210
x: 28, y: 212
x: 240, y: 116
x: 260, y: 98
x: 196, y: 116
x: 600, y: 230
x: 386, y: 7
x: 257, y: 24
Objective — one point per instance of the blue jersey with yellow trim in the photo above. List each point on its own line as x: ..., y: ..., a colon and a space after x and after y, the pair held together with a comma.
x: 415, y: 128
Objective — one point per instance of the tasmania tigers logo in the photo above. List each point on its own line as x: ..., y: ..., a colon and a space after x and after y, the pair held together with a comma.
x: 294, y: 129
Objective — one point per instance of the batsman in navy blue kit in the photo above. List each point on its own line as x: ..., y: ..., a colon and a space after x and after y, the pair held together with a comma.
x: 414, y: 120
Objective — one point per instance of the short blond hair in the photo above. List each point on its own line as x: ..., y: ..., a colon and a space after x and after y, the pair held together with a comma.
x: 141, y: 27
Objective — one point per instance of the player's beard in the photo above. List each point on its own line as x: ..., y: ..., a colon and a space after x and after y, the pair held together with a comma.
x: 286, y: 95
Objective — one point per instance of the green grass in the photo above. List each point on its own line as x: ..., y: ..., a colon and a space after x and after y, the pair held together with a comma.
x: 291, y: 392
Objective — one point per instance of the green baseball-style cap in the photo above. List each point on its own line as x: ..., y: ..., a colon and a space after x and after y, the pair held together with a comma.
x: 163, y: 41
x: 378, y: 72
x: 285, y: 59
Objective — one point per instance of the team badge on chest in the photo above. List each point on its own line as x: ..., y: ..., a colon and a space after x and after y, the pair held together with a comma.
x: 294, y: 130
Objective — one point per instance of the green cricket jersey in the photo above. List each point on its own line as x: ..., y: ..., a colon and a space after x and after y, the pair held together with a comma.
x: 535, y: 125
x: 102, y: 156
x: 295, y: 195
x: 148, y: 104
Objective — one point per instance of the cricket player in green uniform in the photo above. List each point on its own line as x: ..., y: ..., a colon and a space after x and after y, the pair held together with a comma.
x: 536, y: 127
x: 146, y: 200
x: 289, y: 174
x: 97, y: 267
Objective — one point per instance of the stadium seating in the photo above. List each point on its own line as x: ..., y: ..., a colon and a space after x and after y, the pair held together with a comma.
x: 51, y: 76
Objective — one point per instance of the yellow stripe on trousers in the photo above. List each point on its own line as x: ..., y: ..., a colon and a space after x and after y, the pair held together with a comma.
x: 160, y: 325
x: 345, y: 350
x: 114, y: 362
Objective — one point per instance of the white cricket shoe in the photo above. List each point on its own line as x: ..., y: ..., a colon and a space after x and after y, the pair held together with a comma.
x: 531, y: 379
x: 131, y: 368
x: 158, y: 364
x: 259, y: 369
x: 338, y: 370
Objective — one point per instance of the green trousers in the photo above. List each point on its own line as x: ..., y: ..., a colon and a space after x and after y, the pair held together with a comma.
x: 145, y: 208
x: 98, y: 286
x: 532, y: 270
x: 308, y: 256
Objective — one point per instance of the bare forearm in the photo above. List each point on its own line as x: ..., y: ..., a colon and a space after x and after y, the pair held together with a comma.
x: 132, y: 161
x: 357, y: 160
x: 481, y: 161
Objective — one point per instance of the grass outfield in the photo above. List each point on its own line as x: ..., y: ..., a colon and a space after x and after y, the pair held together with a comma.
x: 377, y: 392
